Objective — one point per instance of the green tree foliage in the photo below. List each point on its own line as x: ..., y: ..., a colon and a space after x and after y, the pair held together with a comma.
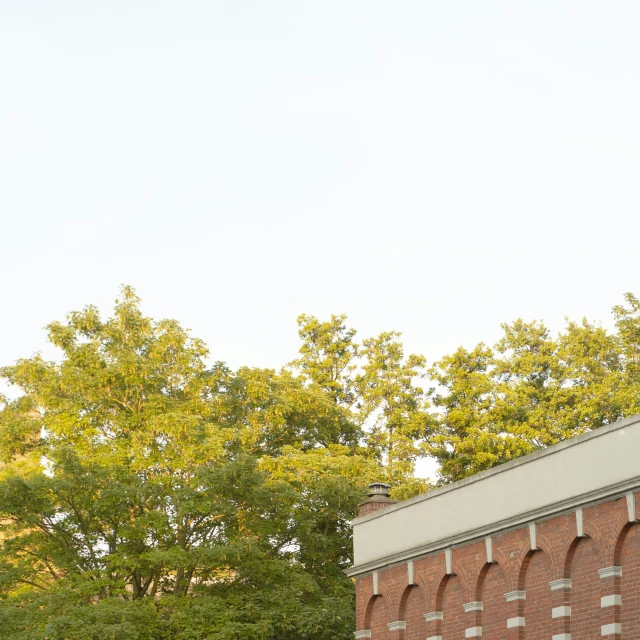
x: 466, y: 439
x: 144, y: 494
x: 533, y: 390
x: 328, y: 356
x: 396, y: 405
x: 147, y: 493
x: 375, y: 384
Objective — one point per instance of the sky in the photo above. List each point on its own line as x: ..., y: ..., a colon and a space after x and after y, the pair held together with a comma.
x: 430, y: 167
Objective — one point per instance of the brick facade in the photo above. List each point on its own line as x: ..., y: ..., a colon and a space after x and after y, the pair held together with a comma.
x: 581, y: 581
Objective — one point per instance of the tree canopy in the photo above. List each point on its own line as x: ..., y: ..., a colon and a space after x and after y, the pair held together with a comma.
x: 149, y: 492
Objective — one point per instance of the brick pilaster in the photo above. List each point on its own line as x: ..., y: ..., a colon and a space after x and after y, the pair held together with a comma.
x: 610, y: 602
x: 396, y: 630
x: 473, y: 619
x: 434, y: 625
x: 515, y: 615
x: 561, y: 608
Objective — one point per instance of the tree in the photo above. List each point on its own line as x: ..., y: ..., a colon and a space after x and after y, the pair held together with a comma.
x: 627, y: 322
x: 328, y: 357
x: 532, y: 390
x: 375, y: 385
x: 176, y: 499
x: 148, y: 493
x: 467, y: 438
x: 529, y: 378
x: 397, y: 407
x: 529, y: 392
x: 594, y: 392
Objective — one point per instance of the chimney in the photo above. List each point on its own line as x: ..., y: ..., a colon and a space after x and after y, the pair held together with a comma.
x: 379, y: 497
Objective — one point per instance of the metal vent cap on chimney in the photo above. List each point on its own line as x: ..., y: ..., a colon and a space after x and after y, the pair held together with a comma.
x: 379, y: 497
x: 379, y: 489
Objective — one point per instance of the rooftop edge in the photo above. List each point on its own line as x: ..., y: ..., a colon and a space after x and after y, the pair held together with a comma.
x: 531, y: 457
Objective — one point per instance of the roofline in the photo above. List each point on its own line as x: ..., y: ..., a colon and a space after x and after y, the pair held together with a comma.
x: 531, y: 457
x: 605, y: 494
x: 616, y: 488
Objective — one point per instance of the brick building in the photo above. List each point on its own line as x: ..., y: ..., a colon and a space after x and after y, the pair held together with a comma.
x: 546, y: 547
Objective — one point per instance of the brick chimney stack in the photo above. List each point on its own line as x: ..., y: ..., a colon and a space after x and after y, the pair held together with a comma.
x: 379, y: 498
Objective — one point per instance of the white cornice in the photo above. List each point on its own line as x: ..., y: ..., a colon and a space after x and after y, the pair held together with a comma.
x: 518, y: 462
x: 610, y: 572
x: 398, y: 625
x: 562, y: 583
x: 433, y: 616
x: 591, y: 498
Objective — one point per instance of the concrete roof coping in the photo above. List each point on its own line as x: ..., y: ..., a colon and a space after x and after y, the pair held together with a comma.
x: 531, y: 457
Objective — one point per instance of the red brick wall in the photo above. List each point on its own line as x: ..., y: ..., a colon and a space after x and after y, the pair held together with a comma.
x: 585, y: 591
x: 609, y: 540
x: 538, y: 603
x: 379, y: 618
x: 414, y: 609
x: 373, y: 505
x: 453, y: 624
x: 495, y: 607
x: 630, y: 583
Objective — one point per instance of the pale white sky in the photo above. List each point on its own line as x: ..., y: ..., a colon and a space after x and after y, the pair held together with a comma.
x: 426, y: 166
